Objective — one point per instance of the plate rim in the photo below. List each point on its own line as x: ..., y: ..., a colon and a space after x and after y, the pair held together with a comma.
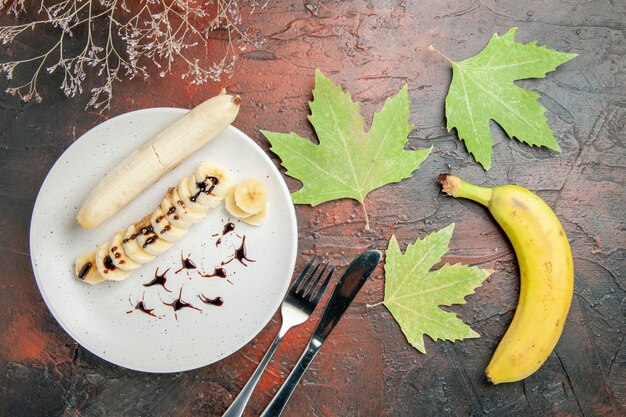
x: 244, y: 341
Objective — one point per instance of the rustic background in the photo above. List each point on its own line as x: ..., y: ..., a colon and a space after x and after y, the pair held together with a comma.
x: 366, y: 368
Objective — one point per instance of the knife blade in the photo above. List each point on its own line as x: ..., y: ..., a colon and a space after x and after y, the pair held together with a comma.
x: 347, y: 288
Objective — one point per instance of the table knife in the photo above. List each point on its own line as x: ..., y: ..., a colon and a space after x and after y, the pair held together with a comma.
x: 349, y: 285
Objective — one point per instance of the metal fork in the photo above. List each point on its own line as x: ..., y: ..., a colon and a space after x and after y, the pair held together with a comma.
x: 299, y: 303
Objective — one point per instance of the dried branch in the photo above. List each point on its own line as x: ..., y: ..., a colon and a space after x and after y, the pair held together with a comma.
x: 123, y: 40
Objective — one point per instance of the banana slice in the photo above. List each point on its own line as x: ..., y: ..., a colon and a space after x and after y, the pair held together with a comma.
x: 163, y: 228
x: 85, y: 268
x: 105, y: 266
x: 232, y: 207
x: 203, y: 193
x: 190, y: 198
x: 183, y: 211
x: 169, y: 210
x: 257, y: 219
x: 132, y: 249
x: 118, y: 256
x: 214, y: 176
x: 251, y: 196
x: 152, y: 244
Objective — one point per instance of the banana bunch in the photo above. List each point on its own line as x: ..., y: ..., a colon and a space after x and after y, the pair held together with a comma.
x: 183, y: 205
x: 157, y: 157
x: 547, y: 275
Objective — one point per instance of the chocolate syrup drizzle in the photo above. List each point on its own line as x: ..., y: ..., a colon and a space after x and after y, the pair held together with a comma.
x: 217, y: 272
x: 158, y: 280
x: 108, y: 264
x: 240, y: 254
x: 202, y: 187
x: 85, y: 270
x: 228, y: 227
x: 187, y: 263
x: 217, y: 301
x: 141, y: 306
x: 142, y: 231
x: 179, y: 304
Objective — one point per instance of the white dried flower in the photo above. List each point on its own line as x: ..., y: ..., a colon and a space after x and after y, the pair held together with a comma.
x: 158, y: 32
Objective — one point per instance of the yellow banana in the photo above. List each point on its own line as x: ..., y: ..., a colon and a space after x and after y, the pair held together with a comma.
x: 546, y: 269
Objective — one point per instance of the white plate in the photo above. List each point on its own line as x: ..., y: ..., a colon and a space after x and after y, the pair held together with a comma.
x: 98, y: 317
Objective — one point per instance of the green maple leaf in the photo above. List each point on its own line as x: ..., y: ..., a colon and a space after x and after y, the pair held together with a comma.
x: 413, y: 293
x: 348, y: 162
x: 482, y: 89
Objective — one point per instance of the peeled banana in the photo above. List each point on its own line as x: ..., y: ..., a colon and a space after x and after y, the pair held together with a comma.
x: 546, y: 269
x: 144, y: 240
x: 248, y: 201
x: 157, y: 157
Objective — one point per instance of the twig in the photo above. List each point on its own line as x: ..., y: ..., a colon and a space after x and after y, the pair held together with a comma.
x: 154, y: 36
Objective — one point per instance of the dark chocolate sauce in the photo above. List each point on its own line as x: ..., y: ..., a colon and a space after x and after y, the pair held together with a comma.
x: 158, y: 280
x: 186, y: 263
x: 228, y: 227
x: 217, y: 301
x: 179, y: 304
x: 217, y: 272
x: 116, y: 253
x: 143, y: 231
x: 141, y: 306
x: 203, y: 187
x: 108, y: 264
x: 150, y: 241
x: 165, y: 229
x: 240, y: 254
x: 85, y: 270
x: 171, y: 210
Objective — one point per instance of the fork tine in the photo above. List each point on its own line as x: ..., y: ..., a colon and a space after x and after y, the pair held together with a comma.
x: 306, y: 282
x: 298, y: 280
x: 319, y: 294
x: 317, y: 280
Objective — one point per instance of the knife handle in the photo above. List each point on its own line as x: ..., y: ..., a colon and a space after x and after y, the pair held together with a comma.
x: 276, y: 406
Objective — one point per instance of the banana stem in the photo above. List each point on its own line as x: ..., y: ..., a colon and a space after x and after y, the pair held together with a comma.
x: 458, y: 188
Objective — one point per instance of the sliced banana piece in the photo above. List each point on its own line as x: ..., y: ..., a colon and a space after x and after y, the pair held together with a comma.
x: 251, y: 195
x: 85, y: 268
x: 105, y: 266
x: 232, y: 207
x: 132, y: 249
x: 215, y: 177
x: 152, y: 244
x: 118, y: 256
x: 182, y: 211
x: 169, y: 209
x: 202, y: 193
x: 259, y: 218
x: 190, y: 198
x: 163, y: 228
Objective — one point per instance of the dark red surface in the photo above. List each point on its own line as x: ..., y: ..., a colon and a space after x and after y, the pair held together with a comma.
x: 366, y: 368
